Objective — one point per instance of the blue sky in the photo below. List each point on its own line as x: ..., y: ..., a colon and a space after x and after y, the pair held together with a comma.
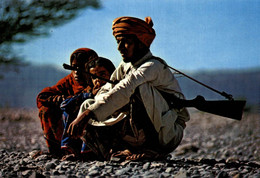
x: 190, y: 34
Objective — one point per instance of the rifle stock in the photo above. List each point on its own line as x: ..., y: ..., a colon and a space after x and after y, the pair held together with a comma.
x: 227, y: 108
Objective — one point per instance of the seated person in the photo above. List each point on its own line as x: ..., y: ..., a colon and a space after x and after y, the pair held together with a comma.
x: 50, y: 98
x: 74, y: 148
x: 150, y: 128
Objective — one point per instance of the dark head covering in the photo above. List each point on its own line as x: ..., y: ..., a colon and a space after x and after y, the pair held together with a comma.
x: 103, y: 62
x: 84, y: 55
x: 131, y: 25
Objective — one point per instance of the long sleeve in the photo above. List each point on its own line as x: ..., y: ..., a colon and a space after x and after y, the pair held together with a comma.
x: 66, y: 86
x: 151, y: 72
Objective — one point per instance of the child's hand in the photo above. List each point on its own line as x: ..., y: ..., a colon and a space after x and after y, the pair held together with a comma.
x: 96, y: 88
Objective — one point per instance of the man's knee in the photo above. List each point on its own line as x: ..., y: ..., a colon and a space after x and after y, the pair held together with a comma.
x: 176, y: 139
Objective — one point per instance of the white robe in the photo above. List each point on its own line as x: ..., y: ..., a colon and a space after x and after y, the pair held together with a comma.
x: 150, y: 75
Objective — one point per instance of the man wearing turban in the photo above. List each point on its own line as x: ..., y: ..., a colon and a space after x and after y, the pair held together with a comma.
x: 145, y: 125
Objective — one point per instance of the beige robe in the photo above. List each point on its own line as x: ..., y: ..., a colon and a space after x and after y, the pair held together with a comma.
x: 150, y: 75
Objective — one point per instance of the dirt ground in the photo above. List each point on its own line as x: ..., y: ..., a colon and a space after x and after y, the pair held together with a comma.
x: 206, y: 135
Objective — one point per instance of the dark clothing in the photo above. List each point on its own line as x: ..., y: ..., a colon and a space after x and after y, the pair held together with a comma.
x: 135, y: 133
x: 50, y: 113
x: 70, y: 108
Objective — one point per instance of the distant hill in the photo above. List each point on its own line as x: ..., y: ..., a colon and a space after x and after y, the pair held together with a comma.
x: 243, y: 84
x: 19, y: 89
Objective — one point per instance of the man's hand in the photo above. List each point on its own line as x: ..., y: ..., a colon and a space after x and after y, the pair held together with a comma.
x: 77, y: 127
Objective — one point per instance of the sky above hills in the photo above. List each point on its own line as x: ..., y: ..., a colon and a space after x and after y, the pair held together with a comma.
x: 190, y: 34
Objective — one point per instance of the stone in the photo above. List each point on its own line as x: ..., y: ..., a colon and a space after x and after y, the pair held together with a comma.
x: 122, y: 171
x: 26, y: 173
x: 181, y: 174
x: 222, y: 174
x: 146, y: 165
x: 49, y: 166
x: 93, y: 173
x: 41, y: 157
x: 16, y: 167
x: 169, y: 170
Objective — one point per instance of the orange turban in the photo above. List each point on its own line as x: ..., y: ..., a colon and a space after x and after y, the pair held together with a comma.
x: 131, y: 25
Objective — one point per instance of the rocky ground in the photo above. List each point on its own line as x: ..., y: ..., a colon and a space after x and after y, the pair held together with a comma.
x: 212, y: 147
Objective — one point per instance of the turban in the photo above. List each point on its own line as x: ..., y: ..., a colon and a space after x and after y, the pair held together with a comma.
x: 84, y: 54
x: 134, y: 26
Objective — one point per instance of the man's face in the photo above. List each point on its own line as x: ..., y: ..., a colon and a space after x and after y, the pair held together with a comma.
x: 126, y: 47
x: 79, y: 75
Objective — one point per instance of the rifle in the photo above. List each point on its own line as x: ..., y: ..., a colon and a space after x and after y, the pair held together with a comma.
x: 226, y: 108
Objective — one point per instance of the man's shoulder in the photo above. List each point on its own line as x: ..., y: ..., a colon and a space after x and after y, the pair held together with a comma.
x: 158, y: 60
x: 152, y: 59
x: 154, y: 62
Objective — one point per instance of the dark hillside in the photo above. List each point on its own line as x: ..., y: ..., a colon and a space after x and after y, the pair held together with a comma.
x: 19, y: 89
x: 241, y: 84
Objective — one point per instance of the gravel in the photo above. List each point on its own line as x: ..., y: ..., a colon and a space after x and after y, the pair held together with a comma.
x: 212, y: 146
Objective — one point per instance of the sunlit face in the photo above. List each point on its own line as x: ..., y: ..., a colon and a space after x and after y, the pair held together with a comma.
x: 79, y: 75
x: 126, y: 47
x: 101, y: 72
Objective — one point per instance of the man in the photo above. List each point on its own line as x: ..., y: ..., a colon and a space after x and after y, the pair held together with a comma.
x: 149, y: 127
x: 50, y: 98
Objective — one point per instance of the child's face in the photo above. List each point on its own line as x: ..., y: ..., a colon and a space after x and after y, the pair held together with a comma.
x: 101, y: 72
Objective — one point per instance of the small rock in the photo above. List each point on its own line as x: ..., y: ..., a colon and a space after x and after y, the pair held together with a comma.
x: 49, y: 166
x: 122, y: 171
x: 93, y: 168
x: 231, y: 159
x: 26, y: 173
x: 146, y: 165
x: 181, y: 174
x: 42, y: 157
x: 35, y: 153
x: 16, y: 167
x: 169, y: 170
x: 93, y: 173
x: 79, y: 174
x: 222, y: 174
x: 220, y: 165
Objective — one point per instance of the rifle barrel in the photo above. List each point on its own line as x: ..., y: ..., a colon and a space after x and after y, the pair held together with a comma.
x: 228, y: 96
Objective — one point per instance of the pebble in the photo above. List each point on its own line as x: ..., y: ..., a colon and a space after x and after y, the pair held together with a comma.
x: 146, y: 165
x: 50, y: 165
x: 122, y: 171
x: 93, y: 173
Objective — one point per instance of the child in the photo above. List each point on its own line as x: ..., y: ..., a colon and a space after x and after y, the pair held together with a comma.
x: 74, y: 148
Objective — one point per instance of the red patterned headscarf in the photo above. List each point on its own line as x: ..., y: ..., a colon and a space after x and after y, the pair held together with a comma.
x: 131, y: 25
